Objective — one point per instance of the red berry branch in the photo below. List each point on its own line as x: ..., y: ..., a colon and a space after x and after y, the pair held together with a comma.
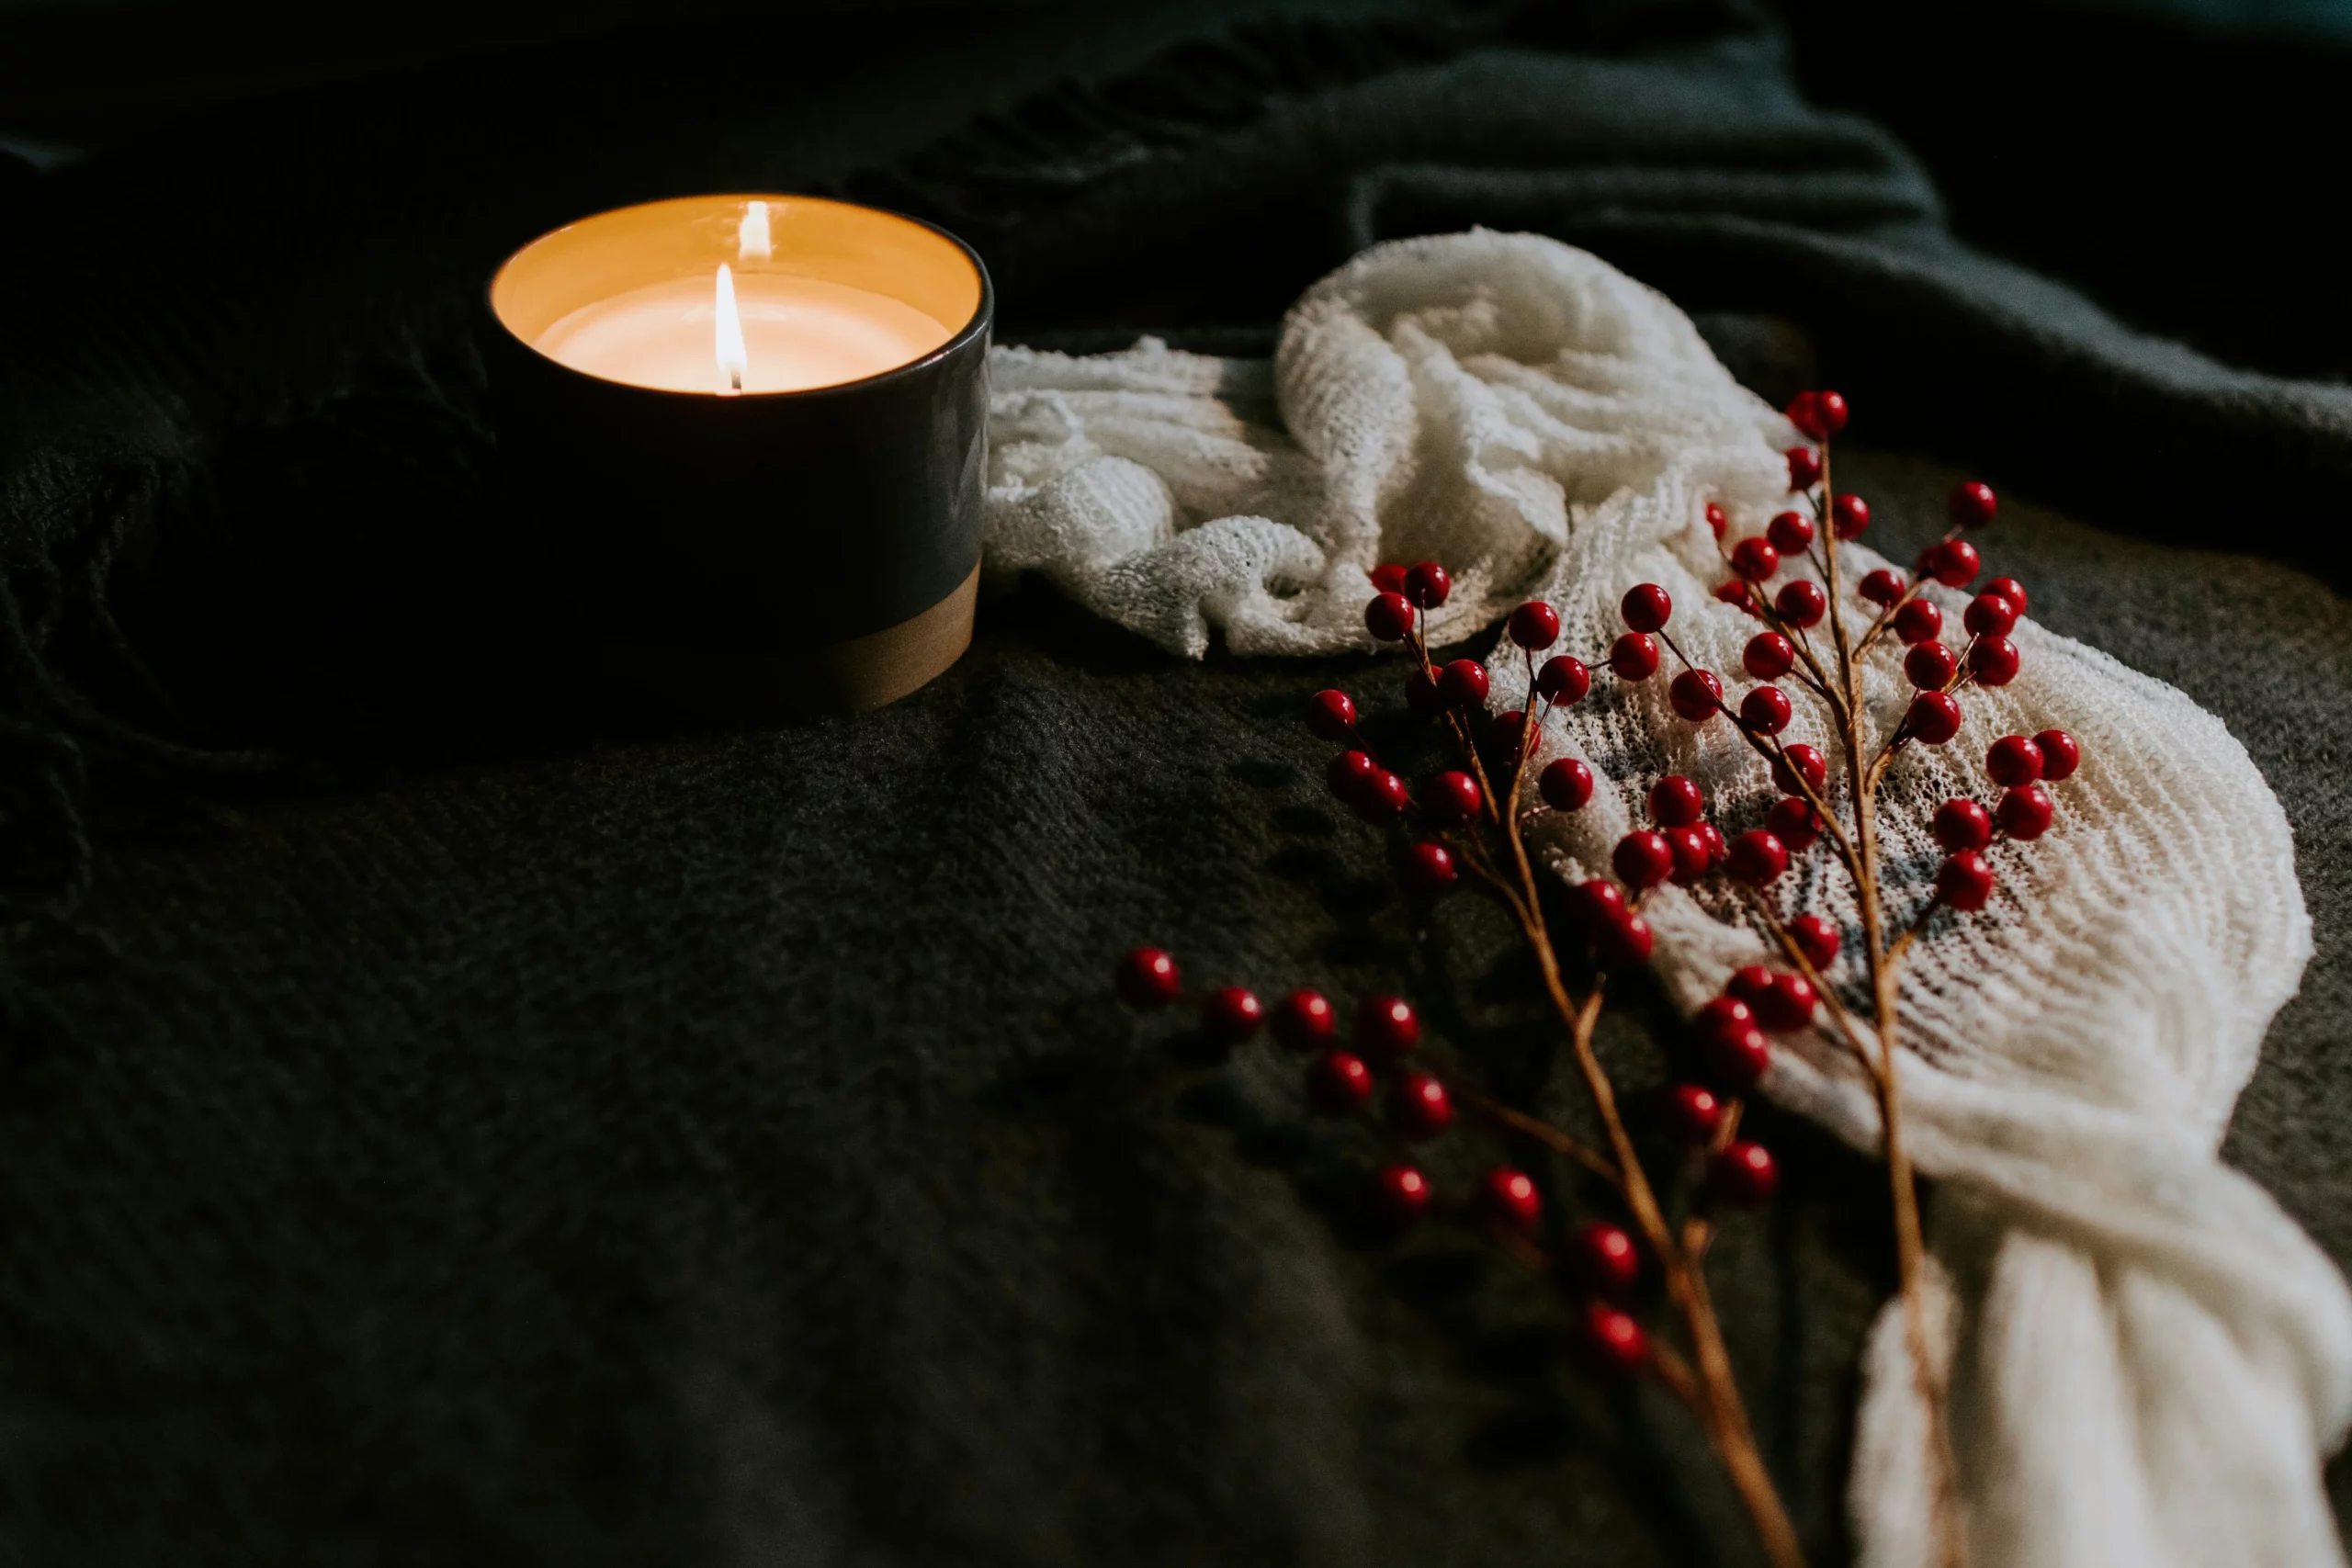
x: 1467, y: 822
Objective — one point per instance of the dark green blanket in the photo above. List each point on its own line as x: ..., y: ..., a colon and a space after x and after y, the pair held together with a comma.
x: 438, y: 1125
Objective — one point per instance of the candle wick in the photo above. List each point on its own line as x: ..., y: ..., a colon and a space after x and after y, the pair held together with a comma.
x: 735, y: 378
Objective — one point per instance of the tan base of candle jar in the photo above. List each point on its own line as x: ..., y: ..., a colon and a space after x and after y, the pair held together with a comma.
x: 856, y: 674
x: 881, y: 667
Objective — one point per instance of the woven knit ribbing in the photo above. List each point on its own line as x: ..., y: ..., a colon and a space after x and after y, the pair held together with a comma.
x: 2145, y: 1354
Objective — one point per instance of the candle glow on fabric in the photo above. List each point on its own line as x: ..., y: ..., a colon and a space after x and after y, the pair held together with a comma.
x: 743, y: 331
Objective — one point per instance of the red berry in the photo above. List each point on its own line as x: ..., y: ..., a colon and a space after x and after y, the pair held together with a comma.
x: 1379, y: 798
x: 1607, y: 1259
x: 1643, y: 859
x: 1973, y: 503
x: 1147, y: 977
x: 1388, y: 579
x: 1613, y: 1344
x: 1743, y: 1175
x: 1419, y: 1107
x: 1918, y: 622
x: 1805, y: 763
x: 1676, y: 802
x: 1801, y: 602
x: 1768, y: 656
x: 1535, y: 625
x: 1929, y: 666
x: 1794, y: 822
x: 1696, y: 694
x: 1338, y: 1083
x: 1565, y: 784
x: 1789, y: 1006
x: 1599, y: 903
x: 1733, y: 593
x: 1757, y: 857
x: 1962, y: 827
x: 2060, y: 755
x: 1402, y: 1192
x: 1693, y: 1113
x: 1765, y: 710
x: 1511, y: 1196
x: 1330, y: 715
x: 1232, y: 1014
x: 1716, y: 519
x: 1645, y: 607
x: 1388, y: 617
x: 1933, y: 719
x: 1624, y: 943
x: 1819, y: 414
x: 1506, y: 731
x: 1693, y: 856
x: 2009, y: 587
x: 1348, y: 772
x: 1427, y: 870
x: 1387, y: 1028
x: 1961, y: 824
x: 1563, y: 681
x: 1989, y: 615
x: 1750, y: 985
x: 1452, y: 797
x: 1634, y: 657
x: 1881, y: 587
x: 1789, y: 533
x: 1463, y: 683
x: 1816, y: 939
x: 1303, y: 1020
x: 1755, y: 560
x: 1725, y: 1015
x: 1849, y: 514
x: 1427, y: 585
x: 1965, y: 881
x: 1804, y: 468
x: 2013, y: 760
x: 2024, y: 812
x: 1733, y: 1059
x: 1713, y: 836
x: 1992, y: 660
x: 1952, y: 563
x: 1422, y: 694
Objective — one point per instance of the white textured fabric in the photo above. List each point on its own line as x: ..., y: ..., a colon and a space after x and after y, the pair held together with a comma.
x: 2147, y: 1358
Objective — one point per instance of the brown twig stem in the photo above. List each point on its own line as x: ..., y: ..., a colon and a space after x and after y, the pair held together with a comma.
x: 1716, y: 1395
x: 1910, y: 1247
x: 1543, y: 1133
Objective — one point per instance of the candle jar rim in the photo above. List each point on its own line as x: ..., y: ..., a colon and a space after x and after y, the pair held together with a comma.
x: 977, y: 322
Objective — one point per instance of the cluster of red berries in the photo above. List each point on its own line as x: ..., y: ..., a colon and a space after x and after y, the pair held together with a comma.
x: 2021, y: 765
x: 1449, y: 798
x: 1681, y: 848
x: 1344, y: 1079
x: 1401, y: 593
x: 1339, y: 1081
x: 1988, y: 658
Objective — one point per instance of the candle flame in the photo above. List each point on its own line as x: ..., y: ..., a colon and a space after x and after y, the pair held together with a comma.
x: 751, y: 243
x: 734, y: 362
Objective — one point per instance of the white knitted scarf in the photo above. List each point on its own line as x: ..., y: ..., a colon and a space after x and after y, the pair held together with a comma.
x: 2148, y: 1358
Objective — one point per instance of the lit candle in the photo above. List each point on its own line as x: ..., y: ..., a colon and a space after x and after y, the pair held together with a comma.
x: 707, y: 405
x: 775, y: 331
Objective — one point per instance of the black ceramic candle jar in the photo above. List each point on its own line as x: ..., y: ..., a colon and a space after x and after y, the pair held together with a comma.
x: 744, y: 443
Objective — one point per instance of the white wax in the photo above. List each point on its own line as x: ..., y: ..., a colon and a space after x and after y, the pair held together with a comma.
x: 798, y: 332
